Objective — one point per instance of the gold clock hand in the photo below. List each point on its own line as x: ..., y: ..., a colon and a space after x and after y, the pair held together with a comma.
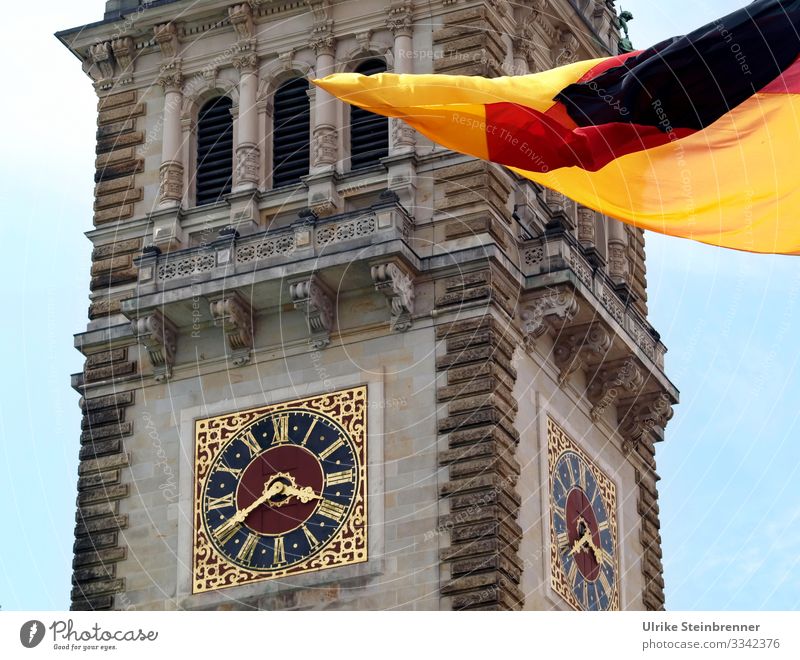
x: 303, y: 494
x: 271, y: 489
x: 598, y: 556
x: 578, y: 545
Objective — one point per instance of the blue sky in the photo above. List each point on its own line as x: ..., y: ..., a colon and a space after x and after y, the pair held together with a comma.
x: 730, y: 511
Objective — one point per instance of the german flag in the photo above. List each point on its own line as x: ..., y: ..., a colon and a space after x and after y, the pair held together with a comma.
x: 697, y: 137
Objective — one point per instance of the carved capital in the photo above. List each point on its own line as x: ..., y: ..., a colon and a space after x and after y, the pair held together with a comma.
x: 548, y: 313
x: 322, y: 40
x: 166, y: 36
x: 612, y: 382
x: 398, y: 287
x: 400, y: 19
x: 241, y: 17
x: 234, y: 315
x: 578, y: 348
x: 170, y: 76
x: 244, y: 61
x: 159, y: 337
x: 311, y: 297
x: 642, y: 417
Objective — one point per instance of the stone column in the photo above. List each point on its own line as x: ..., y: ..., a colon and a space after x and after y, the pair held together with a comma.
x: 325, y: 134
x: 170, y: 79
x: 400, y: 23
x: 617, y: 244
x: 248, y: 151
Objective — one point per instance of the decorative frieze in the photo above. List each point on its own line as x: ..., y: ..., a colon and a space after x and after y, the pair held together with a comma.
x: 398, y: 287
x: 234, y: 315
x: 311, y: 297
x: 159, y: 337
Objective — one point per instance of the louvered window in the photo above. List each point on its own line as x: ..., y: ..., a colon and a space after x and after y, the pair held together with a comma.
x: 369, y: 133
x: 292, y: 128
x: 214, y: 151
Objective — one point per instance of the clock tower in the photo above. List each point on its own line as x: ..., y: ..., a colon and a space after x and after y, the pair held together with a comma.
x: 332, y: 365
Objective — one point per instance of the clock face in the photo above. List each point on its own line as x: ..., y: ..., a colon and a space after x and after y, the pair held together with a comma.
x: 280, y: 490
x: 583, y: 528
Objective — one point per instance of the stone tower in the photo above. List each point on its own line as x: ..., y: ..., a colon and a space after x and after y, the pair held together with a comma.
x: 257, y: 242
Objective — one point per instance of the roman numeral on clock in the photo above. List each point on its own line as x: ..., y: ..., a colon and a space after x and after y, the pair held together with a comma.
x: 251, y: 443
x: 245, y: 553
x: 331, y: 448
x: 336, y: 478
x: 226, y: 531
x: 220, y: 502
x: 313, y: 541
x: 309, y: 432
x: 279, y: 554
x: 332, y: 510
x: 605, y: 583
x: 235, y: 472
x: 281, y: 425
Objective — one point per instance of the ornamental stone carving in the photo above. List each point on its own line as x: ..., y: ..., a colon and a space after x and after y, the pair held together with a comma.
x: 400, y: 19
x: 642, y: 416
x: 170, y: 76
x: 311, y: 297
x: 612, y: 382
x: 587, y: 226
x: 398, y: 287
x: 578, y: 348
x: 124, y: 53
x: 326, y: 140
x: 566, y: 48
x: 617, y: 262
x: 103, y: 59
x: 244, y: 61
x: 548, y: 313
x: 247, y: 164
x: 166, y: 36
x: 171, y: 182
x: 235, y: 316
x: 241, y: 17
x: 159, y: 337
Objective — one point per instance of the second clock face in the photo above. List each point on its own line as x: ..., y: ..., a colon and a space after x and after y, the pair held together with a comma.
x: 282, y: 492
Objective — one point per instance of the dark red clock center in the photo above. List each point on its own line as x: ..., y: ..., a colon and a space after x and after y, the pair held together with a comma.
x: 269, y: 518
x: 580, y: 519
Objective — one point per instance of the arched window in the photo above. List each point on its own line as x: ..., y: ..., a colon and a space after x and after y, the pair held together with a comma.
x: 369, y: 133
x: 291, y: 134
x: 214, y: 151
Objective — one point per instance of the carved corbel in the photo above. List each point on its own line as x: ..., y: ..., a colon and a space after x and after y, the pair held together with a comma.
x: 311, y: 297
x: 577, y: 348
x: 234, y: 315
x: 124, y: 52
x: 241, y: 17
x: 549, y: 313
x: 158, y: 335
x: 398, y: 287
x: 643, y: 416
x: 166, y: 36
x: 103, y: 59
x: 612, y: 382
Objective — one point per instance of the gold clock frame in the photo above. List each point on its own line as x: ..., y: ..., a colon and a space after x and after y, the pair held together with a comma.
x: 210, y: 569
x: 559, y: 442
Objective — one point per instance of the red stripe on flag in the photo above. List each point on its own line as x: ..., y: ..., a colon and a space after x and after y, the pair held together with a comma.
x: 786, y: 83
x: 521, y: 137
